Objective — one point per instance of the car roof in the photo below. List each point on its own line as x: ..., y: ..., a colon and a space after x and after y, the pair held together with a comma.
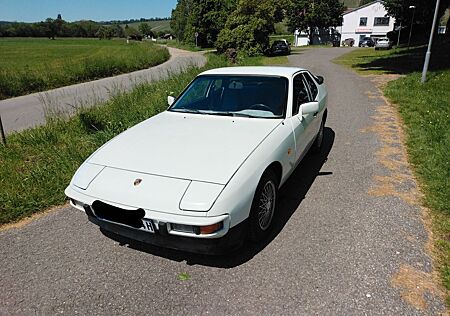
x: 255, y: 70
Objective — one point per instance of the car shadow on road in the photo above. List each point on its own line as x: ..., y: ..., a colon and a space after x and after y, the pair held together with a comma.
x: 291, y: 195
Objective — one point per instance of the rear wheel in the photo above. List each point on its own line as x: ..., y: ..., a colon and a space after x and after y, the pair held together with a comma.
x: 263, y: 206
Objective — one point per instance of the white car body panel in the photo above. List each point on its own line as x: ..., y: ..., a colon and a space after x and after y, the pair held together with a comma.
x: 198, y: 169
x: 186, y: 146
x: 200, y: 196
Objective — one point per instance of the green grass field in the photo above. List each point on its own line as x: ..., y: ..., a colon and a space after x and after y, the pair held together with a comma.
x: 425, y: 111
x: 31, y: 65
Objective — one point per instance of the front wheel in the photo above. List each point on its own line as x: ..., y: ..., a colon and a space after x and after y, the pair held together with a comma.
x: 317, y: 145
x: 263, y: 206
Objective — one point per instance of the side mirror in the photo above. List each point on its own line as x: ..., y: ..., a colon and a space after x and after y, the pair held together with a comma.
x: 170, y: 100
x: 319, y: 79
x: 309, y: 108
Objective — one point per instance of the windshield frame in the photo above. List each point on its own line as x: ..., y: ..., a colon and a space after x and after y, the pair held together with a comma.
x: 278, y: 117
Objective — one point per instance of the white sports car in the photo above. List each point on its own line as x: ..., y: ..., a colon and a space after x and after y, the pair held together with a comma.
x: 204, y: 175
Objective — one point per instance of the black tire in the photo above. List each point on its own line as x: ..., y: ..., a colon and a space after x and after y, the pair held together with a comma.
x: 317, y: 145
x: 262, y: 212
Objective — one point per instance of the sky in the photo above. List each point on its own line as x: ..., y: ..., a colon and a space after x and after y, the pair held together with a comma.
x: 74, y: 10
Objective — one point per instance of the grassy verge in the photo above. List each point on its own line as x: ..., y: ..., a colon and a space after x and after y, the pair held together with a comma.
x: 31, y: 65
x: 425, y: 110
x: 177, y: 44
x: 264, y: 60
x: 37, y: 164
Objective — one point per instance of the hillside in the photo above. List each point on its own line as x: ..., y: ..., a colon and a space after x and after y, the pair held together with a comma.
x: 157, y: 26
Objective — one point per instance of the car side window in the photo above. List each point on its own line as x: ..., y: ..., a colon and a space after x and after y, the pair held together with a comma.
x: 312, y: 85
x: 301, y: 94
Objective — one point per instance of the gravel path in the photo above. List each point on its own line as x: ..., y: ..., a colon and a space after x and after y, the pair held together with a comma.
x: 30, y: 110
x: 349, y: 238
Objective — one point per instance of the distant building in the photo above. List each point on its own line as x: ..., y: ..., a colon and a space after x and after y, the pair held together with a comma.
x: 369, y: 20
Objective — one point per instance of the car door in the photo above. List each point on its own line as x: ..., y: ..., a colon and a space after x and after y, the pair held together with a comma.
x: 300, y: 124
x: 314, y: 93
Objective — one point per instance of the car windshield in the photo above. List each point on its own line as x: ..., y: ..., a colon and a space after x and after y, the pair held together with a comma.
x: 246, y: 96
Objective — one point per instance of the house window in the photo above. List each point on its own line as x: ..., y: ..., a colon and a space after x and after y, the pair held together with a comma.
x: 363, y: 21
x: 381, y: 21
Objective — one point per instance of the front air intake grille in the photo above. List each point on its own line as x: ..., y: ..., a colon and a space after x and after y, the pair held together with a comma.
x: 115, y: 214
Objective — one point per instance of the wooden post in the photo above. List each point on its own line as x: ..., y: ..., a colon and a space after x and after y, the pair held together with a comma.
x: 2, y: 131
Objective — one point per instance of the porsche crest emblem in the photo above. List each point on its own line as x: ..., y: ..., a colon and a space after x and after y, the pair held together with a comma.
x: 137, y: 182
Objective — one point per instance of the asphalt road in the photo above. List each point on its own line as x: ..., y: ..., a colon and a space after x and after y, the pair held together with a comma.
x: 33, y: 109
x: 349, y: 238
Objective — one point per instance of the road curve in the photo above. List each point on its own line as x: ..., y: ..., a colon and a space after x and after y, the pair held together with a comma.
x: 30, y: 110
x: 347, y: 241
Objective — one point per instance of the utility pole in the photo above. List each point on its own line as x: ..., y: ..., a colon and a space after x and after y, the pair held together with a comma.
x: 412, y: 22
x: 428, y: 54
x: 399, y: 32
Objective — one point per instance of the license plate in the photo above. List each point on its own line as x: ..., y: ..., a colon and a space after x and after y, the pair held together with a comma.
x: 148, y: 225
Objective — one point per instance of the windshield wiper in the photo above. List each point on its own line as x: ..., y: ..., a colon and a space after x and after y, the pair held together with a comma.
x: 230, y: 114
x: 185, y: 110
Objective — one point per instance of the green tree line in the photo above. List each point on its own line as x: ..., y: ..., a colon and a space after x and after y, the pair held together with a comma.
x: 245, y: 25
x: 53, y: 28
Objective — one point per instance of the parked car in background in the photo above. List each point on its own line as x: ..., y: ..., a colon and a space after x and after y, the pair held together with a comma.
x: 204, y: 175
x: 383, y: 43
x: 367, y: 42
x: 280, y: 47
x: 348, y: 42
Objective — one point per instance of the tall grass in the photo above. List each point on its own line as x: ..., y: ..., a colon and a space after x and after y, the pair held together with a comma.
x: 37, y: 164
x: 31, y: 65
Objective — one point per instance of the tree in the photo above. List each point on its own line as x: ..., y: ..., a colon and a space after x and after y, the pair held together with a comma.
x: 145, y: 29
x: 131, y: 31
x: 105, y: 32
x: 117, y: 30
x: 180, y: 17
x: 248, y: 27
x: 207, y: 18
x: 59, y: 24
x: 423, y: 13
x: 308, y: 15
x: 50, y: 28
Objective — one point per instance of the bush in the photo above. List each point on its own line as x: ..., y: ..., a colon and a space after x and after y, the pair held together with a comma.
x: 248, y: 28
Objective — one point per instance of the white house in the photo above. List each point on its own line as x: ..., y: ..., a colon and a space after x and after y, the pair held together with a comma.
x: 369, y: 20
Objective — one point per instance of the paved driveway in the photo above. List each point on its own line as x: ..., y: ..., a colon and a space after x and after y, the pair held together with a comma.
x: 349, y: 238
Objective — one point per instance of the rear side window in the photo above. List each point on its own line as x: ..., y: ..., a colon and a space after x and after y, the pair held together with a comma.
x: 301, y: 94
x: 311, y: 85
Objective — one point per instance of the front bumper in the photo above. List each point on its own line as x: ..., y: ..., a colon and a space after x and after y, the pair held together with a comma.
x: 161, y: 238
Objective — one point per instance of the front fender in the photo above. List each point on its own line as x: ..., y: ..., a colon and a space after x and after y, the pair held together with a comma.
x: 237, y: 196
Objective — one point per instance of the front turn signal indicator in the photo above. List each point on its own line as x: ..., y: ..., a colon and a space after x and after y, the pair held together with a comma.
x: 210, y: 229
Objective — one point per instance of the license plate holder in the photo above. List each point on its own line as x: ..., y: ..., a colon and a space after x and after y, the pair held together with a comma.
x: 148, y: 225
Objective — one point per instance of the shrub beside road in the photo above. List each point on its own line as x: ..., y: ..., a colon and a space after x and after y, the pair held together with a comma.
x: 425, y: 111
x: 32, y: 65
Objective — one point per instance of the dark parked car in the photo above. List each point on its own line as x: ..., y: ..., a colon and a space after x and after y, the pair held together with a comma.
x: 348, y: 42
x: 367, y: 42
x: 280, y: 47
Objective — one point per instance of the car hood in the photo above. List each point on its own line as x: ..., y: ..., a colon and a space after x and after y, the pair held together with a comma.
x: 205, y: 148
